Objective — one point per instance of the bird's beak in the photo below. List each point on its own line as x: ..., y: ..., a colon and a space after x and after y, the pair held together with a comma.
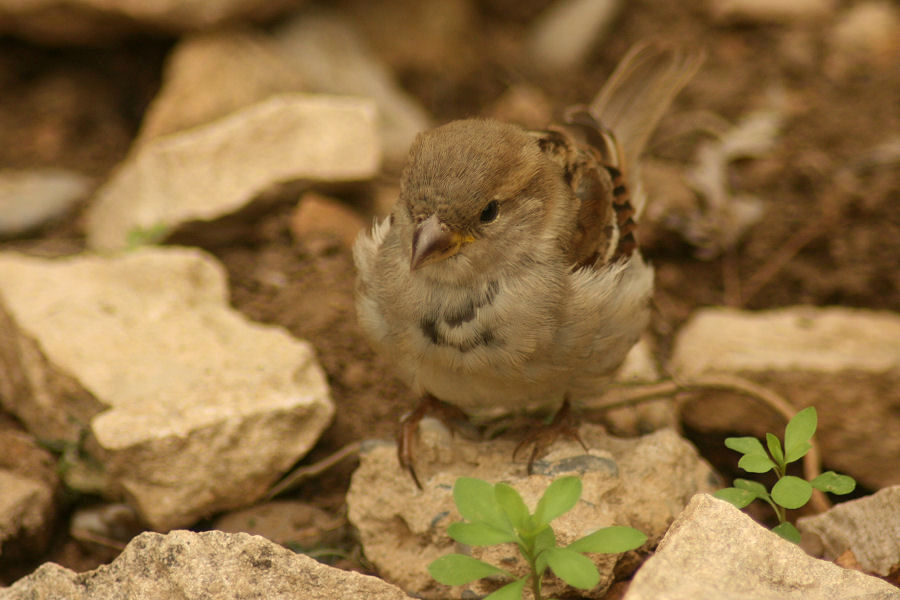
x: 434, y: 241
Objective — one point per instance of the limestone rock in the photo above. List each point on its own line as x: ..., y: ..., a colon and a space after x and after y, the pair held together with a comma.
x: 215, y: 169
x: 191, y: 409
x: 26, y: 514
x: 713, y: 551
x: 93, y: 21
x: 32, y: 198
x: 239, y: 65
x: 641, y: 482
x: 198, y: 566
x: 866, y: 33
x: 331, y: 58
x: 869, y: 527
x: 843, y: 361
x: 768, y: 11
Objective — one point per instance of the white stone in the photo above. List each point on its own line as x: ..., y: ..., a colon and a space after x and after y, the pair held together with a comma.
x: 217, y: 168
x: 869, y: 527
x: 843, y: 361
x: 770, y: 10
x: 239, y: 64
x: 713, y: 551
x: 198, y: 566
x: 643, y: 482
x: 192, y: 409
x: 331, y: 58
x: 92, y: 21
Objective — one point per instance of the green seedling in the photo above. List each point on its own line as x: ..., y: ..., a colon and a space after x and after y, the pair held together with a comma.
x: 789, y: 491
x: 146, y: 236
x: 496, y: 514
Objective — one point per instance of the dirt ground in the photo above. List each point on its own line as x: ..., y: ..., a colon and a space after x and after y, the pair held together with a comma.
x: 830, y: 232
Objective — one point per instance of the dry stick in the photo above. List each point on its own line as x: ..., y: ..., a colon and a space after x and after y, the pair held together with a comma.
x: 86, y: 535
x: 301, y: 474
x: 784, y: 255
x: 642, y: 393
x: 731, y: 278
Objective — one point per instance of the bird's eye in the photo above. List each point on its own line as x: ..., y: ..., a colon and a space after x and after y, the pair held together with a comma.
x: 490, y: 212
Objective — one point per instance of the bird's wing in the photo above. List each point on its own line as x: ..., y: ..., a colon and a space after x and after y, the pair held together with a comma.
x: 598, y: 147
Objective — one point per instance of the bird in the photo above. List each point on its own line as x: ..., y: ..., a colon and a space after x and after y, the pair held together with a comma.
x: 507, y: 278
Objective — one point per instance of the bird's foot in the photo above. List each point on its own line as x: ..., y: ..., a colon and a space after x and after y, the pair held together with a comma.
x: 542, y: 436
x: 447, y: 414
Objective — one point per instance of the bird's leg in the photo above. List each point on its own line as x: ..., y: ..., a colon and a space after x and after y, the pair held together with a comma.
x: 542, y: 436
x: 448, y: 414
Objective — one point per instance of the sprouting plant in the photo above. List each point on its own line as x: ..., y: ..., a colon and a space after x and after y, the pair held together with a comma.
x: 146, y: 236
x: 496, y: 514
x: 789, y: 491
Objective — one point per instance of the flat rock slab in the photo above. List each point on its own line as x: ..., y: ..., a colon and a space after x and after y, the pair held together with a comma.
x: 331, y: 57
x: 713, y: 551
x: 643, y: 482
x: 217, y: 168
x: 92, y: 21
x: 843, y: 361
x: 191, y: 408
x: 199, y: 566
x: 868, y: 527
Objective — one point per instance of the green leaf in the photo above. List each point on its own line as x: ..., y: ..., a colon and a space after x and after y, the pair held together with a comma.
x: 797, y: 451
x: 511, y: 503
x: 510, y: 591
x: 754, y: 487
x: 737, y: 497
x: 458, y: 569
x: 801, y: 427
x: 545, y: 538
x: 146, y: 236
x: 559, y: 497
x: 791, y: 492
x: 756, y: 463
x: 775, y: 451
x: 575, y: 569
x: 479, y: 534
x: 475, y: 501
x: 829, y: 481
x: 540, y: 564
x: 745, y: 445
x: 609, y: 540
x: 788, y: 532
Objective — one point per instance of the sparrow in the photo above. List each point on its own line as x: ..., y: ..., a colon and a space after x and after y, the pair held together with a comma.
x: 507, y: 278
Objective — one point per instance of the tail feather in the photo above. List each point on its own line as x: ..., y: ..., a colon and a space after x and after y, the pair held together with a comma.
x: 637, y: 94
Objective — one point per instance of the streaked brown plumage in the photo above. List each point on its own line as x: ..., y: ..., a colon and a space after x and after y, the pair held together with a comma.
x: 507, y: 277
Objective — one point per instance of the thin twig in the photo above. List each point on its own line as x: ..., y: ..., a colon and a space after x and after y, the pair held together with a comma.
x: 731, y: 278
x: 301, y: 474
x: 635, y: 394
x: 783, y: 256
x: 86, y: 535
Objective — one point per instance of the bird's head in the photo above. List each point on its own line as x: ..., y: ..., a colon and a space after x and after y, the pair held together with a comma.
x: 476, y: 194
